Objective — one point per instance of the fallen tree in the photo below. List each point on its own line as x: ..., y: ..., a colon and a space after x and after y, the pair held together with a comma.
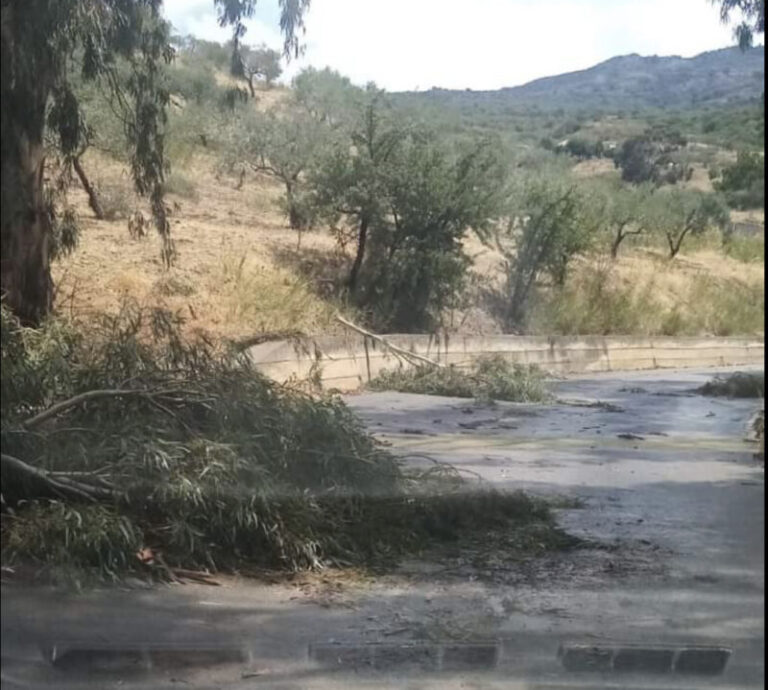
x: 130, y: 449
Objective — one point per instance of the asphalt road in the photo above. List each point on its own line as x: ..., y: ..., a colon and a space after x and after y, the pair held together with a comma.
x: 668, y: 486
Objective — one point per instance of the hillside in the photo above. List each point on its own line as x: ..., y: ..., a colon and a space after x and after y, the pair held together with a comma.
x: 241, y: 270
x: 715, y: 78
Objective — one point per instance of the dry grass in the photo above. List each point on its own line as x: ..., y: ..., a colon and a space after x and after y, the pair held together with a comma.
x: 649, y: 295
x: 225, y: 280
x: 595, y: 167
x: 229, y: 279
x: 749, y: 216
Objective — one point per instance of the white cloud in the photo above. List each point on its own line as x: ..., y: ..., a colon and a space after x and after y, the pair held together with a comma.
x: 479, y: 44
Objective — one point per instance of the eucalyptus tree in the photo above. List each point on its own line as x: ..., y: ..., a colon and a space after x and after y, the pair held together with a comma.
x: 42, y: 43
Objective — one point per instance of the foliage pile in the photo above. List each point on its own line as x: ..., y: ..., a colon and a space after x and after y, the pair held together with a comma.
x: 738, y: 385
x: 490, y: 378
x: 128, y: 441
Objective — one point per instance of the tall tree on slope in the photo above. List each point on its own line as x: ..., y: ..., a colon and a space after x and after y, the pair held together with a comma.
x: 43, y: 41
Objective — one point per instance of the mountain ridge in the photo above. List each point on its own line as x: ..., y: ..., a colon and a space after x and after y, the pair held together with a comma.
x: 716, y: 77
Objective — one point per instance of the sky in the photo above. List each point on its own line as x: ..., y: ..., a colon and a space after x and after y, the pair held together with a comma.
x: 478, y: 44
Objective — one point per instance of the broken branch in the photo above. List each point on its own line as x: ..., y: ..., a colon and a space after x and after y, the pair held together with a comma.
x: 412, y: 357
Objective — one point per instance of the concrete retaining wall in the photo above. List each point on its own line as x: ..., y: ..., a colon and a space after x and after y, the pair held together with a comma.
x: 348, y: 362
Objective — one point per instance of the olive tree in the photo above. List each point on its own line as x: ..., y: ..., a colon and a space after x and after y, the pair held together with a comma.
x: 436, y: 194
x: 260, y: 63
x: 624, y: 212
x: 282, y: 143
x: 328, y: 96
x: 404, y: 199
x: 677, y: 214
x: 349, y: 187
x: 42, y: 42
x: 548, y: 223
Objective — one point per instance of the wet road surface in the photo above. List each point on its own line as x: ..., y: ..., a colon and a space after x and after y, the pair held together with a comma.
x: 664, y: 476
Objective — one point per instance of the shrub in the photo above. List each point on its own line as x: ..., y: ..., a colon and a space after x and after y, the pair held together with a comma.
x: 738, y: 385
x: 596, y: 303
x: 743, y: 183
x: 169, y: 286
x: 180, y: 185
x: 117, y: 200
x: 491, y: 377
x: 725, y: 307
x: 746, y: 249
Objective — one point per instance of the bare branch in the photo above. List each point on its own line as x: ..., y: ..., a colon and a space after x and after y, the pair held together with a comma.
x: 410, y: 356
x: 64, y: 405
x: 74, y: 401
x: 58, y: 485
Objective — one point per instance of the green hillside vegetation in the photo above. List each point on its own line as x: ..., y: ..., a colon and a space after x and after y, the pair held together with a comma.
x: 401, y: 181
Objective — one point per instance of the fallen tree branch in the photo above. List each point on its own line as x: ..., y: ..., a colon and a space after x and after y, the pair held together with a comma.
x: 59, y: 485
x: 412, y: 357
x: 74, y: 401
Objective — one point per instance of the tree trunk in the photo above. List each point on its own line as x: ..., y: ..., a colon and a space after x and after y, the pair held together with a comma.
x: 519, y: 296
x: 93, y: 198
x: 362, y: 238
x: 25, y: 273
x: 250, y: 86
x: 617, y: 243
x: 25, y: 221
x: 676, y: 243
x: 294, y: 217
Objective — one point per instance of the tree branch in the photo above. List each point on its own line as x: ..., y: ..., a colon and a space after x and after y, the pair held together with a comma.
x: 72, y: 402
x: 64, y: 405
x: 410, y: 356
x: 59, y: 485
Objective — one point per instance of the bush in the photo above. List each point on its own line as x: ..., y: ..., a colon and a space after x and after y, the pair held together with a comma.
x: 117, y: 200
x: 584, y: 150
x: 743, y: 183
x: 596, y: 303
x: 738, y: 385
x: 169, y: 285
x: 725, y: 307
x: 180, y: 185
x: 746, y: 249
x: 490, y: 378
x: 201, y: 459
x: 196, y: 83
